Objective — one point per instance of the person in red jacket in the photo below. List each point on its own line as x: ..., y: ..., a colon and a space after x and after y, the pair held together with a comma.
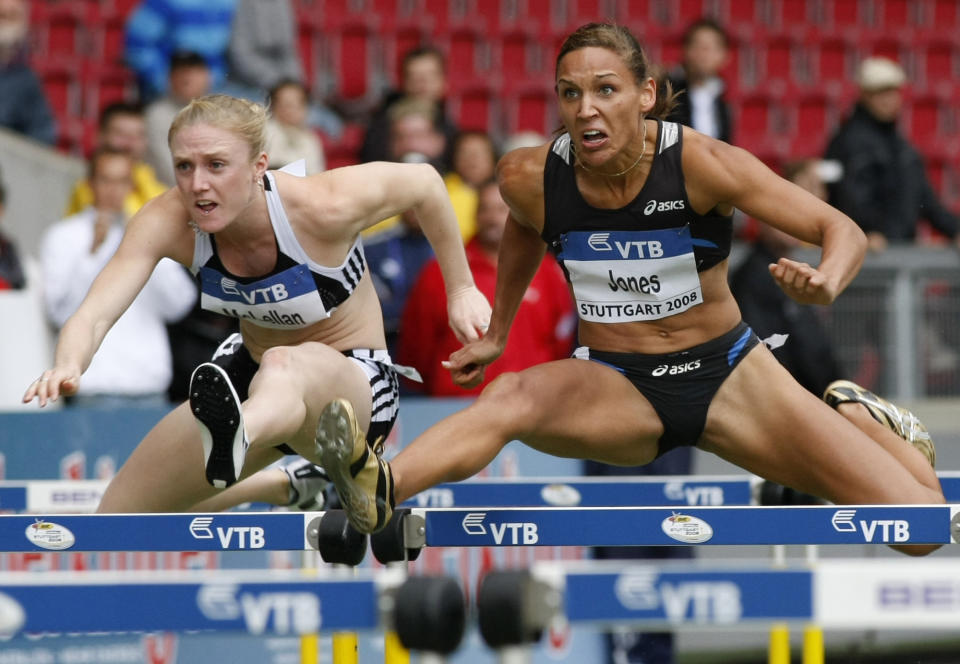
x: 543, y: 330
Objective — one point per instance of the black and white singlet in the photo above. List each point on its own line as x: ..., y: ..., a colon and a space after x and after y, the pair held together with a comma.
x: 639, y: 262
x: 297, y: 293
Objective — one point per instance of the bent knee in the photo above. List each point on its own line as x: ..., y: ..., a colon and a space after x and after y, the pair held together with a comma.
x: 277, y: 357
x: 510, y: 395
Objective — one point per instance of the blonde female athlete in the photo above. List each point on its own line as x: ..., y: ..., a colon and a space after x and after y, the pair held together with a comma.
x: 638, y: 210
x: 282, y: 253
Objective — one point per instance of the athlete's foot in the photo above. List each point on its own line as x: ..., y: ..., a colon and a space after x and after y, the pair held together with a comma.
x: 899, y: 420
x: 216, y: 406
x: 308, y: 483
x: 363, y: 480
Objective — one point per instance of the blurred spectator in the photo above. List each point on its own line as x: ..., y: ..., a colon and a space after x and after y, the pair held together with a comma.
x: 11, y: 269
x: 542, y: 331
x: 413, y: 138
x: 395, y: 257
x: 396, y: 249
x: 884, y: 186
x: 263, y: 47
x: 423, y: 76
x: 122, y: 128
x: 703, y: 105
x: 263, y: 53
x: 474, y: 160
x: 23, y: 104
x: 807, y: 352
x: 157, y: 28
x: 288, y: 137
x: 189, y: 78
x: 133, y: 365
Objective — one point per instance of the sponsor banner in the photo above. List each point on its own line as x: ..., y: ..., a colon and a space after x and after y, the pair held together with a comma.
x: 577, y: 492
x: 708, y: 597
x: 77, y: 497
x: 714, y: 525
x: 231, y: 531
x: 864, y: 594
x: 279, y: 608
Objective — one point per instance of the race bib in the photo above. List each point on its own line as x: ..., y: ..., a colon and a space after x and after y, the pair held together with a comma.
x: 287, y: 300
x: 628, y: 276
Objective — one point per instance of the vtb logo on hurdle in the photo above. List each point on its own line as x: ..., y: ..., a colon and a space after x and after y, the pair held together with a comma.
x: 248, y: 537
x: 891, y: 530
x: 520, y: 533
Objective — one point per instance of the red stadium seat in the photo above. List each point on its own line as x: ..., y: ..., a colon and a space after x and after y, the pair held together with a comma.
x: 937, y: 60
x: 636, y: 15
x: 61, y: 84
x: 352, y: 56
x: 57, y: 27
x: 104, y: 84
x: 533, y: 109
x: 474, y: 107
x: 925, y: 120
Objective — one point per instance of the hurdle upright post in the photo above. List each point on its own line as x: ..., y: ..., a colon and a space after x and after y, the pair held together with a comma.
x: 779, y: 649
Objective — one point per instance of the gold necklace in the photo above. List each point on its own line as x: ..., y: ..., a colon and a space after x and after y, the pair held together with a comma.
x: 629, y: 168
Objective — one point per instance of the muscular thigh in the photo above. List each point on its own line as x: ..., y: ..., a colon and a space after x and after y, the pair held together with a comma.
x: 322, y: 374
x: 762, y: 420
x: 583, y: 409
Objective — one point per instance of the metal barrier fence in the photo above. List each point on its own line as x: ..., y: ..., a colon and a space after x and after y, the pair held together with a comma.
x: 896, y: 329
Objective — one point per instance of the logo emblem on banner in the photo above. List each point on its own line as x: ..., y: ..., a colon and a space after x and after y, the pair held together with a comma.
x: 686, y: 528
x: 50, y: 536
x: 560, y: 495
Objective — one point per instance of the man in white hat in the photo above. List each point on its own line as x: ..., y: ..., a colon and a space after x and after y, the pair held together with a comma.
x: 884, y: 187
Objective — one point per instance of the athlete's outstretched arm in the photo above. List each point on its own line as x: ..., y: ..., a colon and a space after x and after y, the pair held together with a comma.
x: 150, y: 235
x: 368, y: 193
x: 721, y: 174
x: 519, y: 258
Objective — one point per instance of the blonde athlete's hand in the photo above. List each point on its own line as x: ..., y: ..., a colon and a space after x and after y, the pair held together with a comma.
x: 469, y: 314
x: 51, y: 384
x: 468, y: 364
x: 802, y: 282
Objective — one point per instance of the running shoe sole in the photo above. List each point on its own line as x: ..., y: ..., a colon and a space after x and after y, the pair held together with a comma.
x: 899, y: 420
x: 337, y: 439
x: 216, y: 407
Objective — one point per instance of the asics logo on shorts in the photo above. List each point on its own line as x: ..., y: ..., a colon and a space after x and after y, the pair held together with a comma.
x: 662, y: 206
x: 676, y: 369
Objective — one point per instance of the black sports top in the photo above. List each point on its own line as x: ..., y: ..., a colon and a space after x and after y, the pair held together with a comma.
x: 641, y: 261
x: 662, y: 203
x: 298, y: 292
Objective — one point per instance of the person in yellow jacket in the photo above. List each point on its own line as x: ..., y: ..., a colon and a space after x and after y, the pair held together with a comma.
x: 122, y: 127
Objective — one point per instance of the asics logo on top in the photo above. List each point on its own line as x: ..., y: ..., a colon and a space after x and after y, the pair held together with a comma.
x: 662, y: 206
x: 676, y: 369
x: 599, y: 242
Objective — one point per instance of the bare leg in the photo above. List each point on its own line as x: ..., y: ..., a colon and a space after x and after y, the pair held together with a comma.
x: 763, y: 421
x: 165, y: 472
x: 569, y: 408
x: 290, y: 389
x: 270, y: 485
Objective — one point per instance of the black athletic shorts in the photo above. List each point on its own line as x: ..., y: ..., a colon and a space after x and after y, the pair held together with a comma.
x: 236, y: 360
x: 680, y: 385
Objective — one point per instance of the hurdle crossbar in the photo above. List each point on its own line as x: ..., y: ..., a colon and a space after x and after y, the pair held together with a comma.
x: 836, y: 594
x: 255, y: 602
x: 656, y: 526
x: 83, y: 496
